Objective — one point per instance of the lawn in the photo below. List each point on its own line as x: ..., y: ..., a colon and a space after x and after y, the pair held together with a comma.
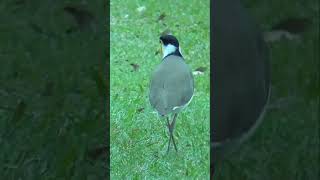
x: 138, y: 136
x: 286, y: 145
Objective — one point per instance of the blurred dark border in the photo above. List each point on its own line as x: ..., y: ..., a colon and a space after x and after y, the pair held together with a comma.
x: 107, y: 10
x: 212, y: 67
x: 315, y: 54
x: 48, y: 150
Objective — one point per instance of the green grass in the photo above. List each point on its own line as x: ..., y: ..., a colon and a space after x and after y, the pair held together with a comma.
x: 53, y: 74
x: 139, y: 139
x: 286, y: 145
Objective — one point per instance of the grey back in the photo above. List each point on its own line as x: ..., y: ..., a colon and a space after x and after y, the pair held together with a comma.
x: 171, y: 85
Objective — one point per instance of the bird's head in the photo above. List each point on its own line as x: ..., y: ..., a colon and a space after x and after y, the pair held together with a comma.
x: 170, y: 45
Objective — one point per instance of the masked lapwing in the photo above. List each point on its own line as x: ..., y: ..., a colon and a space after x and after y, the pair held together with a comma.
x: 172, y: 84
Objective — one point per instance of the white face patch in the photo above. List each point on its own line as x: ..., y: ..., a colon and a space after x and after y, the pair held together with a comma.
x: 168, y: 49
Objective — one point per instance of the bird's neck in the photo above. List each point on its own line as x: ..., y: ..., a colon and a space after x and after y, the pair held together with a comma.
x: 170, y: 50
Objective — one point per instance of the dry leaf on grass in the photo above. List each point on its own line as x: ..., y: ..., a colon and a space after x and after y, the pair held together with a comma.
x: 141, y: 9
x: 83, y: 18
x: 135, y: 66
x: 199, y: 71
x: 289, y: 28
x: 161, y: 17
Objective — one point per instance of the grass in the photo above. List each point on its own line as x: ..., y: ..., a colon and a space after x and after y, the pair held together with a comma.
x: 286, y: 145
x: 52, y: 116
x: 138, y: 136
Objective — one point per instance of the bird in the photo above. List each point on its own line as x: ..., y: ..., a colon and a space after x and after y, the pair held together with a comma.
x: 172, y: 84
x: 241, y: 78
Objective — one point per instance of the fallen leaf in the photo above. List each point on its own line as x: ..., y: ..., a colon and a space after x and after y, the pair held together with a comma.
x: 135, y: 66
x: 272, y: 36
x: 141, y: 9
x: 292, y: 25
x: 161, y: 17
x: 157, y: 52
x: 140, y: 110
x: 289, y: 28
x: 199, y: 71
x: 82, y: 17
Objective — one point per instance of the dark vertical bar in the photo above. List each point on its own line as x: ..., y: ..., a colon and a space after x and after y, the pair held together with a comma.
x: 212, y: 70
x: 240, y: 82
x: 107, y: 10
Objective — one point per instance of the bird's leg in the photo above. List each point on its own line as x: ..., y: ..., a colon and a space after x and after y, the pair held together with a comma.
x: 169, y: 127
x: 172, y: 125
